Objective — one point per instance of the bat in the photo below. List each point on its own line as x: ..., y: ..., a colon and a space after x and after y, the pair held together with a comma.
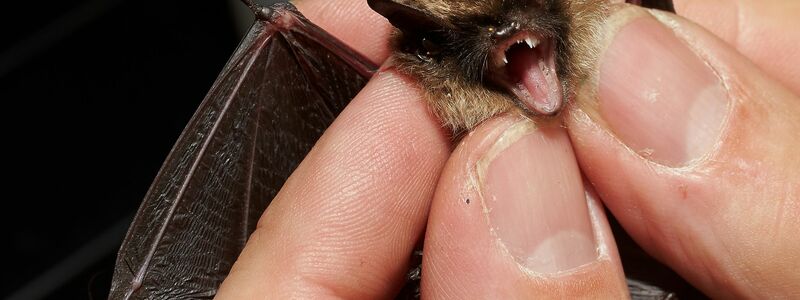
x: 477, y: 59
x: 285, y: 84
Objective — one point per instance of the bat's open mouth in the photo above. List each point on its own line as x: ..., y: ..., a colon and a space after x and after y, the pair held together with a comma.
x: 525, y: 64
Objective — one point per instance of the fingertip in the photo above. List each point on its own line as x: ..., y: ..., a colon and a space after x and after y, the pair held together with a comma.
x: 679, y: 139
x: 756, y: 29
x: 510, y: 219
x: 353, y: 22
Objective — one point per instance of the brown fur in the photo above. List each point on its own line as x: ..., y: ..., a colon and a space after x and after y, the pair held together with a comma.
x: 456, y: 88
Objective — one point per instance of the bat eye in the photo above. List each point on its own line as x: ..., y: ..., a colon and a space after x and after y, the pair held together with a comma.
x: 428, y: 49
x: 431, y: 48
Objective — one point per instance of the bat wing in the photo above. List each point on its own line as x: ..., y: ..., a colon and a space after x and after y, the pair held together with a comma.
x: 280, y: 90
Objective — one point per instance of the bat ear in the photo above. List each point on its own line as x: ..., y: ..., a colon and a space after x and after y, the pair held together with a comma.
x: 406, y: 17
x: 665, y: 5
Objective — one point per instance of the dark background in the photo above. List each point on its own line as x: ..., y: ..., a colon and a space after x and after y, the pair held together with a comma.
x: 94, y: 93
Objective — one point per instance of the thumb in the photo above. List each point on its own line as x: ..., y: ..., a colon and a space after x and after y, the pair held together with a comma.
x: 511, y: 219
x: 693, y: 149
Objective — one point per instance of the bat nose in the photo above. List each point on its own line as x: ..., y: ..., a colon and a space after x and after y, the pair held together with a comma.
x: 505, y: 31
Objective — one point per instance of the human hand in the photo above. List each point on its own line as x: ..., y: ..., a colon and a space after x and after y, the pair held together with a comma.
x: 509, y: 217
x: 692, y: 146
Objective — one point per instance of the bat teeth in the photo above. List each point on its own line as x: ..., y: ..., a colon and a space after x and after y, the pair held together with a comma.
x: 502, y: 60
x: 530, y: 41
x: 525, y: 38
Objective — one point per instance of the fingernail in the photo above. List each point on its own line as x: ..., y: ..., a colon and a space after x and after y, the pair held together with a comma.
x: 658, y: 96
x: 535, y: 200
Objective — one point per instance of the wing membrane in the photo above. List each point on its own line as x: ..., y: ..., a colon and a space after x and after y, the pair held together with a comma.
x: 274, y: 98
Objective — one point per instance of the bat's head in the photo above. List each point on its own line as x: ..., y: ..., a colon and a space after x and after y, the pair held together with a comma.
x: 480, y: 58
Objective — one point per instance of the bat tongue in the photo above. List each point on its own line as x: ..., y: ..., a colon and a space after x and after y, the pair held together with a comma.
x: 538, y: 86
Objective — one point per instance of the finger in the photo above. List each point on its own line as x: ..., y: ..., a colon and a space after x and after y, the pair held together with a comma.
x: 345, y: 223
x: 511, y: 220
x: 763, y: 31
x: 693, y: 149
x: 353, y: 22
